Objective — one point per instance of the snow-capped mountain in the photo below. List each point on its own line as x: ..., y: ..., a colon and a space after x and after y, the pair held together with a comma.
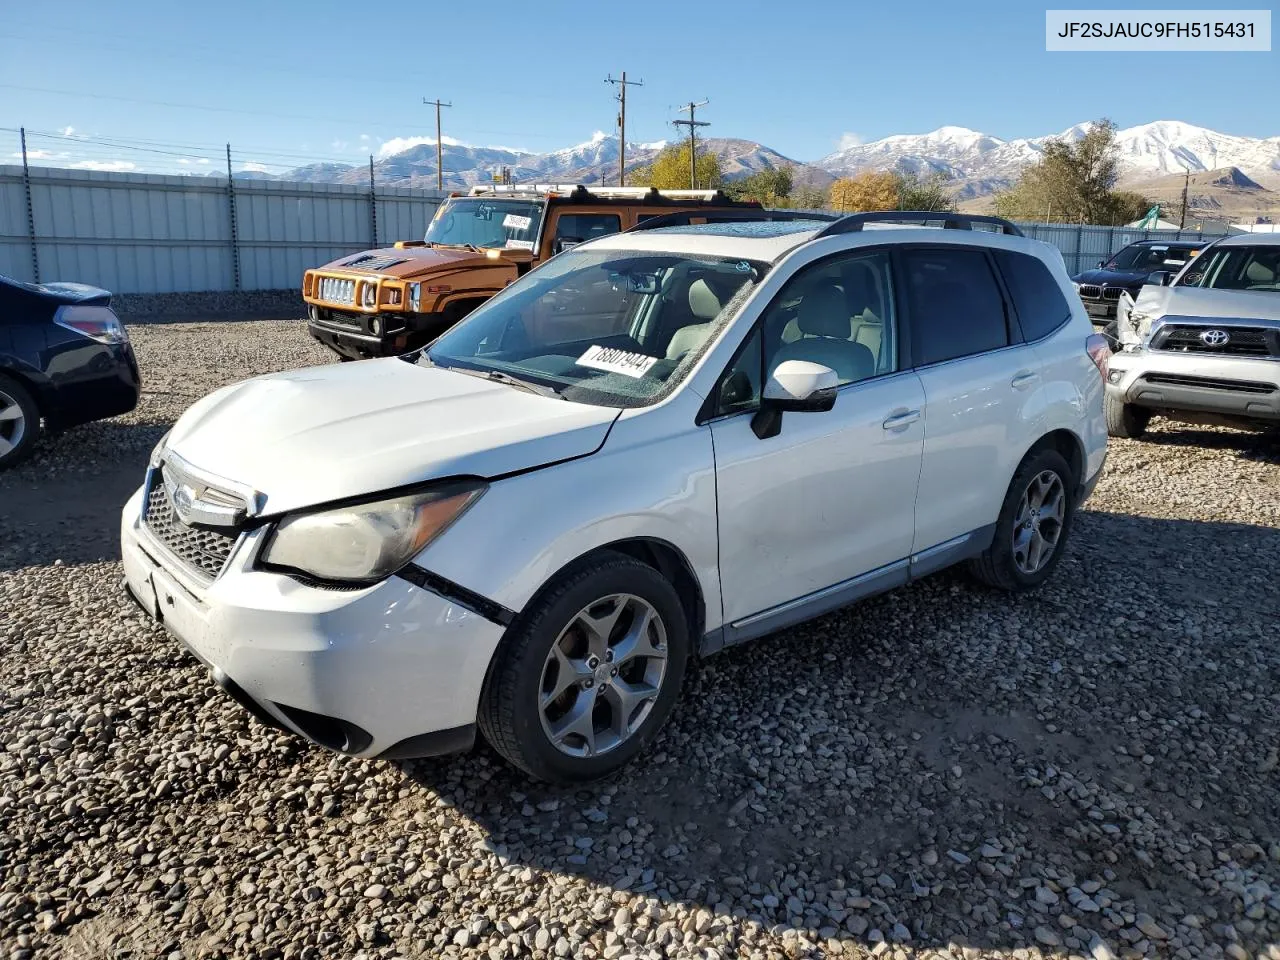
x: 979, y: 163
x: 593, y: 161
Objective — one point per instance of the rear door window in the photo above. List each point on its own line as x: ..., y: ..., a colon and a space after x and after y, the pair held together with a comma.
x: 1037, y: 297
x: 956, y: 306
x: 581, y: 227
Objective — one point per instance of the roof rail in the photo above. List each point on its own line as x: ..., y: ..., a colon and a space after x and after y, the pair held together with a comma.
x: 730, y: 215
x: 854, y: 222
x: 572, y: 190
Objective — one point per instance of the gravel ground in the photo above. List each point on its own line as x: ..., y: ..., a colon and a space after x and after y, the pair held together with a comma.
x: 942, y: 772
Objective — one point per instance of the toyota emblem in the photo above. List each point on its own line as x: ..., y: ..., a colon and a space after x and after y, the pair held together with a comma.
x: 1214, y: 338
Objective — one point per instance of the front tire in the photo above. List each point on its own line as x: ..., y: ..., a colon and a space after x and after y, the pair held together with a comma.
x: 588, y: 675
x: 19, y: 423
x: 1035, y: 522
x: 1124, y: 420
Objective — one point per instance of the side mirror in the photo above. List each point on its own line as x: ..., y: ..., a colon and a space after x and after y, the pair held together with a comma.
x: 1101, y: 264
x: 1160, y: 278
x: 797, y: 385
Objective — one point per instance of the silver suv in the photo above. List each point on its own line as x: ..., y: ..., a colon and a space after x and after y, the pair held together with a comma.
x: 1206, y: 347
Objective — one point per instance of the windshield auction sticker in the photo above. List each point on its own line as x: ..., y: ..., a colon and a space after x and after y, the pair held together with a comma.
x: 513, y: 221
x: 616, y: 361
x: 1135, y: 30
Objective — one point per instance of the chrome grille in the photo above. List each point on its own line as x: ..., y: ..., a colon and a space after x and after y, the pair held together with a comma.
x: 1241, y: 341
x: 1112, y: 293
x: 1090, y: 291
x: 204, y: 552
x: 336, y: 290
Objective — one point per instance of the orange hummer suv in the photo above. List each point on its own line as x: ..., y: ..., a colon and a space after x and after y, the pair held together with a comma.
x: 385, y: 302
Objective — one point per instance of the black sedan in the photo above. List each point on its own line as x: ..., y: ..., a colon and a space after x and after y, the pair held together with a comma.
x: 65, y: 359
x: 1128, y: 270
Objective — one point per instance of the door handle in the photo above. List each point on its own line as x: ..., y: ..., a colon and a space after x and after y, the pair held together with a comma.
x: 1024, y: 379
x: 901, y: 420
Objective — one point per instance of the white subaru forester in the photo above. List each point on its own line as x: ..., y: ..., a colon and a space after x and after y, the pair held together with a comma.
x: 656, y: 445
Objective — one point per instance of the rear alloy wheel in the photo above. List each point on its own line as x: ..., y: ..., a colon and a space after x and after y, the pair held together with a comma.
x: 587, y: 676
x: 1035, y: 521
x: 19, y: 423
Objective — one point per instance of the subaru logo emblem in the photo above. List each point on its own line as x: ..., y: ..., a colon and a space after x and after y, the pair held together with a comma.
x: 1214, y: 338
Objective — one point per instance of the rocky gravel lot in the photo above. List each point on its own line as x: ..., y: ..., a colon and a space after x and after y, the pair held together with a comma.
x: 1091, y: 771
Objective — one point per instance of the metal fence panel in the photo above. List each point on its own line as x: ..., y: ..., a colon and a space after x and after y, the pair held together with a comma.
x: 1083, y: 246
x: 144, y: 233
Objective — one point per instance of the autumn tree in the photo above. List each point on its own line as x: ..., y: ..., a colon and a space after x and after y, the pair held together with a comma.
x: 809, y: 197
x: 669, y: 170
x: 771, y: 188
x: 873, y: 190
x: 924, y: 193
x: 1073, y: 181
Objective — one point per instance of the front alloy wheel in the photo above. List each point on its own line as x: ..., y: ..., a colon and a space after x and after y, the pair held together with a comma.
x: 588, y: 674
x: 602, y: 675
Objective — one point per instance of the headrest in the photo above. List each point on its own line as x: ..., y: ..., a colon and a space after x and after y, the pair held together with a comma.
x: 860, y: 288
x: 823, y: 313
x: 1258, y: 272
x: 703, y: 301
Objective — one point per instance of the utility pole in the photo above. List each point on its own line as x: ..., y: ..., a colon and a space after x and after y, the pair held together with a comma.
x: 1186, y: 186
x: 692, y: 124
x: 622, y: 85
x: 439, y: 150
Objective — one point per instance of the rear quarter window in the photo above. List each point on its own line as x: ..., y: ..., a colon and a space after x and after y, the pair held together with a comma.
x: 1037, y: 297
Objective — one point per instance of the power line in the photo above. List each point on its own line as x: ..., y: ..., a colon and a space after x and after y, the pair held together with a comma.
x: 692, y: 124
x: 622, y: 85
x: 439, y: 142
x: 398, y: 123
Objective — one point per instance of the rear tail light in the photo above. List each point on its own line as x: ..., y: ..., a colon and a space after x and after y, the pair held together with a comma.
x: 1099, y: 349
x: 96, y: 323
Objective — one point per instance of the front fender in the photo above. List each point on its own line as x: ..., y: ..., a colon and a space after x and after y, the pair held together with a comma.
x: 526, y: 528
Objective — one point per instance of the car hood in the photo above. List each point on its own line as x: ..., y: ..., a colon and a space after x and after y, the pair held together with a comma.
x: 318, y: 434
x: 408, y: 262
x: 1199, y: 302
x: 1116, y: 278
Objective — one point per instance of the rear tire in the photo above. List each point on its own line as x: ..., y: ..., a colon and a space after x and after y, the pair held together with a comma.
x: 1124, y: 420
x: 527, y: 707
x: 19, y: 422
x: 1038, y: 508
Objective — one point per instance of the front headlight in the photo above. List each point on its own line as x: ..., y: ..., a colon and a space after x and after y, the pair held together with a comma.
x: 366, y: 542
x: 369, y: 295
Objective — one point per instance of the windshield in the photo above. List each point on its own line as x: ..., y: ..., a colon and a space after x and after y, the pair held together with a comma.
x: 611, y: 327
x: 484, y: 222
x: 1236, y: 268
x: 1150, y: 258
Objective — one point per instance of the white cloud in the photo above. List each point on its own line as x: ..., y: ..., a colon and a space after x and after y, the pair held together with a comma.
x: 40, y: 155
x: 68, y: 131
x: 340, y: 145
x: 365, y: 136
x: 204, y: 161
x: 252, y: 167
x: 848, y: 140
x: 115, y: 166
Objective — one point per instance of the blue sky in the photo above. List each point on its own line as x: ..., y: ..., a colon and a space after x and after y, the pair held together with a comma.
x: 287, y: 80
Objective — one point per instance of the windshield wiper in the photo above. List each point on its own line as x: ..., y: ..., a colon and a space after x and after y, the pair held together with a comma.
x: 499, y: 377
x: 538, y: 388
